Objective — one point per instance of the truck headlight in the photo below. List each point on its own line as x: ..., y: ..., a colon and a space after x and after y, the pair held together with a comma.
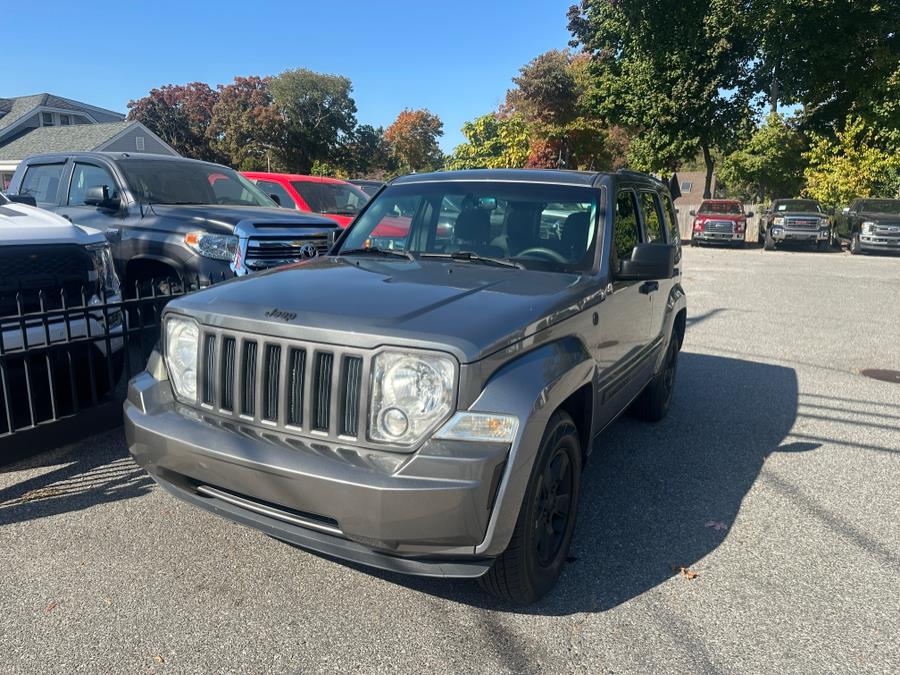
x: 182, y: 345
x: 823, y: 223
x: 216, y: 246
x: 868, y: 227
x: 778, y: 221
x: 411, y: 394
x: 106, y: 269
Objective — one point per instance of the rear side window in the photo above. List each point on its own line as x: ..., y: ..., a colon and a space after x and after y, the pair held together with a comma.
x: 670, y: 218
x: 626, y: 231
x: 41, y: 181
x: 87, y: 176
x: 652, y: 219
x: 272, y: 188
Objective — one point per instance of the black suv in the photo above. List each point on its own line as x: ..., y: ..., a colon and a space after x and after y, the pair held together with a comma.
x: 872, y: 225
x: 170, y: 217
x: 435, y: 421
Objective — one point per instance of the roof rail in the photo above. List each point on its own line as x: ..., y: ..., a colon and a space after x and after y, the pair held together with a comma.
x: 639, y: 174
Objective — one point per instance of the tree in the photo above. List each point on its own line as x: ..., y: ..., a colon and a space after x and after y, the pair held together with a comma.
x: 676, y: 74
x: 412, y: 139
x: 246, y: 126
x: 851, y: 165
x: 180, y: 115
x: 493, y: 142
x: 831, y: 56
x: 318, y: 114
x: 769, y: 164
x: 366, y: 153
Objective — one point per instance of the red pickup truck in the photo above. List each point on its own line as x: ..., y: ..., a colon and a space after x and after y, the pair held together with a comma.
x: 720, y: 221
x: 336, y: 199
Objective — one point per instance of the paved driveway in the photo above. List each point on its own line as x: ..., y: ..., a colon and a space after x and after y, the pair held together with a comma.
x: 774, y: 480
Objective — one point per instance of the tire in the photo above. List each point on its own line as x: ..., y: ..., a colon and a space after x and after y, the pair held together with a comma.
x: 537, y: 552
x: 855, y: 244
x: 822, y: 246
x: 737, y: 244
x: 654, y: 402
x: 769, y: 244
x: 693, y: 242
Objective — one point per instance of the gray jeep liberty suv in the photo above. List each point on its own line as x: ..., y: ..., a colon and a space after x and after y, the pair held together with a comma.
x: 422, y: 399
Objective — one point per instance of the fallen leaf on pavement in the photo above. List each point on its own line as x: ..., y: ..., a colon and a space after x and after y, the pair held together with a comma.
x: 49, y: 608
x: 159, y: 659
x: 686, y: 572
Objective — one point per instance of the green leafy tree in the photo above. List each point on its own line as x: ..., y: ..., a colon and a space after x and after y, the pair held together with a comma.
x: 366, y: 153
x: 412, y: 139
x: 769, y: 164
x: 850, y: 165
x: 180, y: 115
x: 246, y: 127
x: 676, y: 74
x: 492, y: 142
x: 318, y: 114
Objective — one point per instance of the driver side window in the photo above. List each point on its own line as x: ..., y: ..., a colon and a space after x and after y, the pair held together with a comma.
x: 626, y: 230
x: 87, y: 176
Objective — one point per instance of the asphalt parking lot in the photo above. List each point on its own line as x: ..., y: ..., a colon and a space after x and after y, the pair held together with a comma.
x: 774, y: 480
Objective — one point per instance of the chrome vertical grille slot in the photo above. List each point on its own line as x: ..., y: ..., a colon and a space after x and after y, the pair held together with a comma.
x: 226, y: 386
x: 271, y: 383
x: 322, y: 391
x: 248, y: 379
x: 296, y: 376
x: 351, y: 383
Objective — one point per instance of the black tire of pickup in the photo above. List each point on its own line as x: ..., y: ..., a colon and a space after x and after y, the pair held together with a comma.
x: 769, y: 244
x: 522, y: 574
x: 855, y: 245
x: 653, y: 403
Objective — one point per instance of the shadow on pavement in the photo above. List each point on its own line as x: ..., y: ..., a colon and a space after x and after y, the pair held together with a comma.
x: 91, y: 472
x: 656, y: 498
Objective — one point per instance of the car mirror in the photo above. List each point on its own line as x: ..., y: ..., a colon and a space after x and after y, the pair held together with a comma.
x: 846, y: 210
x: 275, y: 198
x: 98, y: 195
x: 749, y: 214
x: 693, y: 212
x: 29, y: 200
x: 648, y: 261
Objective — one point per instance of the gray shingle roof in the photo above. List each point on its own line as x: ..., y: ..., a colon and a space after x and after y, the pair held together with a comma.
x: 75, y: 138
x: 17, y: 107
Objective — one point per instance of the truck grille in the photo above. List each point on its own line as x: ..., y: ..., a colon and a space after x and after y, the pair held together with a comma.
x: 298, y: 387
x: 719, y: 226
x: 57, y: 270
x: 801, y: 223
x: 891, y: 231
x: 271, y: 252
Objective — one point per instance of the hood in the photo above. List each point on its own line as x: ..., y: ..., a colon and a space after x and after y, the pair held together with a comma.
x: 21, y: 224
x: 223, y: 219
x: 342, y: 221
x: 799, y: 214
x: 721, y: 216
x: 881, y: 218
x: 468, y: 309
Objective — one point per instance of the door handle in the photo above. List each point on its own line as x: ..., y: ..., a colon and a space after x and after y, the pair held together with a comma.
x: 649, y: 287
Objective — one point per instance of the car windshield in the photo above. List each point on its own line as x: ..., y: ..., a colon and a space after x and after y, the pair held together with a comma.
x: 157, y: 181
x: 891, y: 206
x: 729, y: 208
x: 797, y: 205
x: 340, y: 199
x: 533, y: 225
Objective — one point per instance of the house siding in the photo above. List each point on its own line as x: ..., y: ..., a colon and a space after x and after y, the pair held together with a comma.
x: 128, y: 143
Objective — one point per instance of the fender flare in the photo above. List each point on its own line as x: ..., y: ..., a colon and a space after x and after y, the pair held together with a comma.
x: 531, y: 387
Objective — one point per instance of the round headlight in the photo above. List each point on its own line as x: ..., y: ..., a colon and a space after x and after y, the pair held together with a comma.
x: 411, y: 395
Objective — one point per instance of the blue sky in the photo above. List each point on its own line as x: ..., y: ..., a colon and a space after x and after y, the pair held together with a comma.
x: 454, y: 58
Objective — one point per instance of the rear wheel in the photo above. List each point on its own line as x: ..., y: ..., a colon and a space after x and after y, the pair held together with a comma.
x: 540, y: 543
x: 653, y: 403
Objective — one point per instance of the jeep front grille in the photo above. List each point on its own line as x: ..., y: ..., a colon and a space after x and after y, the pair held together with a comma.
x: 303, y: 388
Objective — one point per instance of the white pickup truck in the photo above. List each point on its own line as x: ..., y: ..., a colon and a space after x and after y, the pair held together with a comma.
x: 54, y: 279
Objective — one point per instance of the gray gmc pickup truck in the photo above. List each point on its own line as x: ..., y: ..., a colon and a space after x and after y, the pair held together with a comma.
x: 432, y: 412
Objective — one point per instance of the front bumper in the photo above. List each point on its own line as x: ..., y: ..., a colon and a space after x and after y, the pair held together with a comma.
x: 423, y: 513
x: 876, y: 242
x: 725, y: 237
x: 812, y: 236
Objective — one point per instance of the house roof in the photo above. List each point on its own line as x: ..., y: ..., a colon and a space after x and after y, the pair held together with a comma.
x: 15, y: 108
x: 75, y: 138
x: 696, y: 180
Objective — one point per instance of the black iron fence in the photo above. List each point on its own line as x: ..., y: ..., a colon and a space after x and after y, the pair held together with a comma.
x: 65, y: 353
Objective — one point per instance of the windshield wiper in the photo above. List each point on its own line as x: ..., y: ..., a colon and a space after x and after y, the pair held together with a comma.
x: 468, y: 256
x: 374, y: 250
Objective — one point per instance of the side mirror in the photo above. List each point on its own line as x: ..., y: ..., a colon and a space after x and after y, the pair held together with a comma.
x: 768, y: 211
x: 693, y: 212
x: 28, y: 200
x: 648, y: 261
x: 749, y: 214
x: 846, y: 210
x: 98, y: 195
x: 275, y: 198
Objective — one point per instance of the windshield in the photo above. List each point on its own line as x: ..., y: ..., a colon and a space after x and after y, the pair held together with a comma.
x: 729, y: 208
x: 340, y: 199
x: 891, y: 206
x: 156, y: 181
x: 540, y: 226
x: 797, y: 205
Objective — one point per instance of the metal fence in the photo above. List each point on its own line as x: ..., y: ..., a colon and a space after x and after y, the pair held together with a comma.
x: 63, y: 355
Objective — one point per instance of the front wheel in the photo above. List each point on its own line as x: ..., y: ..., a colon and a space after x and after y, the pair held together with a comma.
x: 540, y: 543
x: 855, y: 244
x: 769, y: 244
